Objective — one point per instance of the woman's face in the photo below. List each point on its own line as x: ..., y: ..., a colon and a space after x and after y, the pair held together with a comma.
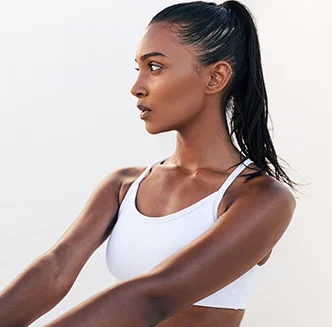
x: 169, y: 84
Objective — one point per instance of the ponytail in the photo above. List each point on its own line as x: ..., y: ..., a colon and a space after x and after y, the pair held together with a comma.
x: 228, y: 32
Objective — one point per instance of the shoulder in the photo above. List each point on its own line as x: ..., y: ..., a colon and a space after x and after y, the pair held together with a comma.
x: 266, y: 189
x: 253, y: 183
x: 126, y: 176
x: 261, y: 183
x: 127, y: 173
x: 275, y: 189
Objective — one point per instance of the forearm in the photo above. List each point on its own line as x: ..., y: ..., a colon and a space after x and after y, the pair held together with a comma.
x: 126, y: 304
x: 31, y: 294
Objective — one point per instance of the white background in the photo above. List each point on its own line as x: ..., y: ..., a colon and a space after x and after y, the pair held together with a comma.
x: 68, y: 119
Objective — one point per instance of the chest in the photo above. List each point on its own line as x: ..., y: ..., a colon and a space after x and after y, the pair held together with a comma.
x: 166, y: 194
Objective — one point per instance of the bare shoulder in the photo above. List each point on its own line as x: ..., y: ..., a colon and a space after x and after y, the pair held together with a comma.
x: 275, y: 189
x: 128, y: 172
x: 264, y: 183
x: 127, y: 176
x: 261, y: 185
x: 269, y: 188
x: 268, y: 194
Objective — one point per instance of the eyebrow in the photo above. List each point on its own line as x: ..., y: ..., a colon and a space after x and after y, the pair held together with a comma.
x: 151, y: 54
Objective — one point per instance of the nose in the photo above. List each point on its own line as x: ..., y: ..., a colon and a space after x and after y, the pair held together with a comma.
x: 138, y: 91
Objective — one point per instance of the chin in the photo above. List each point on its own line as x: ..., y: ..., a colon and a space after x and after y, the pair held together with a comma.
x: 157, y: 130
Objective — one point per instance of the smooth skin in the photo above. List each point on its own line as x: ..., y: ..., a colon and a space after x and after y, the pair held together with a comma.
x: 252, y: 216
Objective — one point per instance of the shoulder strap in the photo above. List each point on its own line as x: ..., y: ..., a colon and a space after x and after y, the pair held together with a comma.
x: 134, y: 186
x: 219, y: 195
x: 146, y: 171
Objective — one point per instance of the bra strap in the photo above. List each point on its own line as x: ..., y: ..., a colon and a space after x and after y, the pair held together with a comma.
x: 226, y: 184
x: 146, y: 171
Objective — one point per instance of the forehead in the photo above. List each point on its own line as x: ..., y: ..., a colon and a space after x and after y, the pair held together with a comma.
x: 158, y: 37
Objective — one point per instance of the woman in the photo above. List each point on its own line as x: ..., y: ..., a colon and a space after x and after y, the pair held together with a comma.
x: 188, y: 233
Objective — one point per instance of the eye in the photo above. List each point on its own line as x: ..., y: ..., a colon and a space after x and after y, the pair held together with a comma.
x: 150, y: 65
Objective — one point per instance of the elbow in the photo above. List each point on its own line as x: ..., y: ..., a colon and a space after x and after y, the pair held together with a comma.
x: 158, y: 309
x: 157, y: 312
x: 148, y: 300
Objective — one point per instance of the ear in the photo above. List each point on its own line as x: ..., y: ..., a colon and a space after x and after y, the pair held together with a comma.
x: 219, y: 75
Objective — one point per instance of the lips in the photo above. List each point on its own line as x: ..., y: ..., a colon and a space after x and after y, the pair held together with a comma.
x: 143, y: 108
x: 145, y: 113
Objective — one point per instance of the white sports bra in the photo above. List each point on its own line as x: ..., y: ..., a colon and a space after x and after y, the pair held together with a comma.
x: 138, y: 242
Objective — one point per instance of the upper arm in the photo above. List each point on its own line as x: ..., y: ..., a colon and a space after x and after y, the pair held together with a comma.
x: 89, y: 230
x: 237, y: 241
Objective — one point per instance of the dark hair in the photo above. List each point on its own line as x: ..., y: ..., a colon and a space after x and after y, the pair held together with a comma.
x: 228, y: 32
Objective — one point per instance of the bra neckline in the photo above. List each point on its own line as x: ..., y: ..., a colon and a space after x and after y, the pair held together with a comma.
x: 179, y: 213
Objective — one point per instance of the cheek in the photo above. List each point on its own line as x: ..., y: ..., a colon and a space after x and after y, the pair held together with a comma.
x: 179, y: 94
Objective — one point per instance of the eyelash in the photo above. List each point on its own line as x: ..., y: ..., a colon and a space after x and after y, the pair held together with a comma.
x: 150, y: 64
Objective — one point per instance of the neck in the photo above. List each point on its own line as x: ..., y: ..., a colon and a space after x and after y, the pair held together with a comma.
x: 206, y: 144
